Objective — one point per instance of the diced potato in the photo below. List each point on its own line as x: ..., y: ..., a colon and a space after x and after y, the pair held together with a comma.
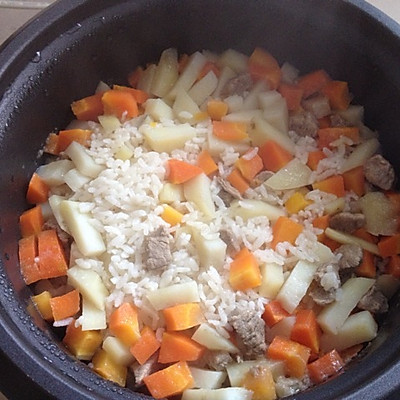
x: 167, y: 138
x: 249, y: 208
x: 189, y: 75
x: 379, y: 212
x: 166, y: 73
x: 269, y: 99
x: 184, y: 107
x: 232, y: 393
x: 92, y: 317
x: 170, y: 193
x: 123, y: 153
x: 46, y: 210
x: 335, y: 206
x: 109, y: 123
x: 211, y: 252
x: 357, y: 328
x: 251, y: 101
x: 296, y: 285
x: 234, y: 102
x: 82, y: 160
x: 387, y: 284
x: 293, y: 175
x: 212, y: 340
x: 360, y: 154
x: 117, y: 351
x: 322, y: 253
x: 53, y: 173
x: 203, y: 88
x: 88, y: 239
x: 226, y: 74
x: 235, y: 60
x: 217, y: 146
x: 272, y: 279
x: 146, y: 80
x: 198, y: 191
x: 75, y: 179
x: 207, y: 379
x: 282, y: 328
x: 158, y: 109
x: 89, y: 284
x: 174, y: 294
x: 345, y: 238
x: 245, y: 116
x: 264, y: 131
x: 278, y: 117
x: 353, y: 114
x: 333, y: 316
x: 237, y: 371
x: 54, y: 202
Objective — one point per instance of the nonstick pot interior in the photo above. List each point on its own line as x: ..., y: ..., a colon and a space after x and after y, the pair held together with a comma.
x: 67, y: 49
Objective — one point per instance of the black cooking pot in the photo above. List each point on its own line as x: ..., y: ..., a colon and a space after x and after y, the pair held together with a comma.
x: 66, y: 50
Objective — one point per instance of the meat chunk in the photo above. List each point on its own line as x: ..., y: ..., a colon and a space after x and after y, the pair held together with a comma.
x: 157, y: 251
x: 351, y: 256
x: 250, y: 330
x: 237, y: 85
x: 326, y: 283
x: 379, y: 172
x: 304, y: 124
x: 321, y: 296
x: 228, y: 192
x: 347, y: 222
x: 374, y: 301
x: 317, y: 105
x: 217, y: 360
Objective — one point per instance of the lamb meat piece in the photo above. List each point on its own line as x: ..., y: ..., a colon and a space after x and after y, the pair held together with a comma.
x: 261, y: 177
x: 157, y: 251
x: 374, y: 301
x: 351, y: 256
x: 238, y: 85
x: 379, y: 172
x: 321, y: 296
x: 347, y: 222
x: 304, y: 123
x: 228, y: 192
x: 318, y: 105
x: 217, y: 360
x: 250, y: 329
x: 326, y: 282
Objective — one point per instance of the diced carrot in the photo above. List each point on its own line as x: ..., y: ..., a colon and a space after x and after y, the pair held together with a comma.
x: 321, y: 222
x: 146, y: 346
x: 274, y: 156
x: 355, y: 180
x: 313, y: 82
x: 293, y: 95
x: 124, y: 324
x: 31, y: 221
x: 285, y: 230
x: 332, y: 244
x: 326, y: 366
x: 393, y: 266
x: 88, y: 108
x: 134, y: 76
x: 82, y: 344
x: 328, y: 135
x: 363, y: 234
x: 104, y: 365
x: 206, y: 162
x: 235, y: 178
x: 273, y: 313
x: 65, y: 138
x: 120, y: 103
x: 229, y: 130
x: 333, y: 184
x: 217, y: 109
x: 38, y: 191
x: 28, y: 252
x: 249, y: 164
x: 182, y: 62
x: 169, y: 381
x: 306, y: 330
x: 338, y: 94
x: 295, y: 355
x: 42, y: 304
x: 244, y: 271
x: 263, y: 66
x: 52, y: 260
x: 367, y: 268
x: 183, y: 316
x: 261, y: 382
x: 170, y: 215
x: 51, y: 146
x: 389, y: 245
x: 181, y: 171
x: 65, y: 306
x: 176, y: 346
x: 296, y: 202
x: 314, y: 157
x: 140, y: 95
x: 324, y: 122
x: 209, y: 66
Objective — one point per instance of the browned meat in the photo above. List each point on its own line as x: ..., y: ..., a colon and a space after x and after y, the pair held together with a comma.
x: 317, y: 105
x: 237, y: 85
x: 157, y: 251
x: 321, y: 296
x: 379, y: 172
x: 347, y: 221
x: 326, y: 282
x: 261, y: 178
x: 228, y: 192
x: 217, y: 360
x: 146, y: 369
x: 374, y: 301
x: 351, y: 256
x: 304, y: 124
x: 250, y: 330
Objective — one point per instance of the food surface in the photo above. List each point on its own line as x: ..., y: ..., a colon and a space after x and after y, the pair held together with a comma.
x: 223, y: 227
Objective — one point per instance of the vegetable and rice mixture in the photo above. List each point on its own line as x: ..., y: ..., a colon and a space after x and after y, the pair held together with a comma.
x: 224, y: 228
